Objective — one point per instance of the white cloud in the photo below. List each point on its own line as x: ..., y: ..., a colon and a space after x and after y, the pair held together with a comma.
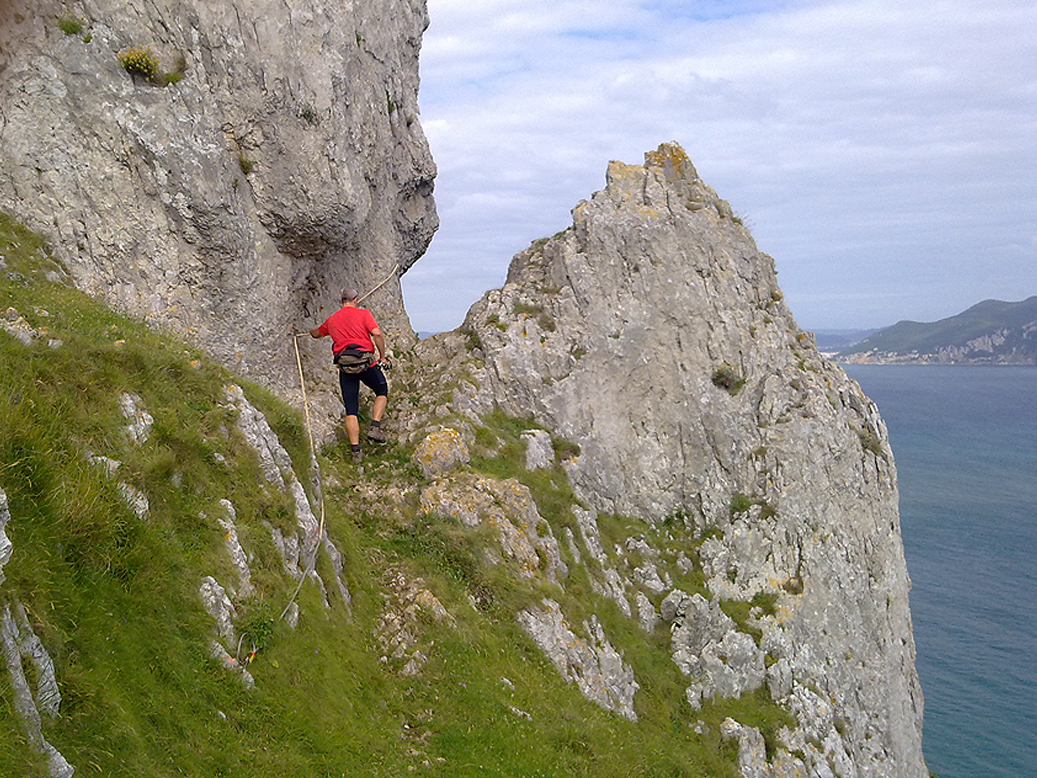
x: 867, y: 141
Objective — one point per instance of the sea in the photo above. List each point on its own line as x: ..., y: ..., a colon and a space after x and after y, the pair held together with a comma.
x: 965, y: 443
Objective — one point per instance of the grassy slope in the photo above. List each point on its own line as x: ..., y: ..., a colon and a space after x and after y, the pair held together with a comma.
x: 115, y: 599
x: 984, y: 318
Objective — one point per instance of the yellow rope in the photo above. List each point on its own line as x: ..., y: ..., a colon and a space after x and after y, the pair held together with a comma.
x: 383, y: 283
x: 320, y: 489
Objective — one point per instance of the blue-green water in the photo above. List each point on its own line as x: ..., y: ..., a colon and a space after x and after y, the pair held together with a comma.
x: 965, y: 442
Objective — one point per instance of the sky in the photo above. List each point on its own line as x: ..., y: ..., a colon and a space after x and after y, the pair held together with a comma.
x: 884, y: 153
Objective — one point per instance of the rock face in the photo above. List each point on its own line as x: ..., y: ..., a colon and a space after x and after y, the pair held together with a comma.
x: 652, y: 333
x: 283, y: 160
x: 36, y: 696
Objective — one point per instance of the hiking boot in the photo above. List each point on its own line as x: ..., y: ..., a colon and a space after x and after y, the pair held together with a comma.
x: 358, y: 457
x: 377, y: 434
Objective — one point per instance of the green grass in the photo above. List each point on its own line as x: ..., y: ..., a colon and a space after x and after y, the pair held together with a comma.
x: 70, y: 25
x: 115, y: 598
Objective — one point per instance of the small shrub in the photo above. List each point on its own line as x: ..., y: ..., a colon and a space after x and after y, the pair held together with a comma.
x: 870, y: 441
x: 70, y: 25
x: 794, y: 585
x: 140, y: 61
x: 767, y: 602
x: 726, y: 377
x: 166, y: 79
x: 257, y: 628
x: 740, y: 503
x: 565, y: 449
x: 525, y: 309
x: 246, y: 165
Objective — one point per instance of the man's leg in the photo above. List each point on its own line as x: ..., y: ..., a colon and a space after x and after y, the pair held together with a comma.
x: 353, y: 430
x: 375, y: 379
x: 350, y: 386
x: 379, y: 407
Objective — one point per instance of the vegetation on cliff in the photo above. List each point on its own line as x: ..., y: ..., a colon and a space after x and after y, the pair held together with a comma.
x: 378, y: 682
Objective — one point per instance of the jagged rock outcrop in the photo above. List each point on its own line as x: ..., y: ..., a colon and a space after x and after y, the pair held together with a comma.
x: 282, y: 160
x: 36, y: 697
x: 653, y: 335
x: 593, y: 665
x: 508, y: 507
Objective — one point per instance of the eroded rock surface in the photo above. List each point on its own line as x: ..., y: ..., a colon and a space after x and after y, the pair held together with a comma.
x: 653, y: 335
x: 590, y: 662
x: 283, y: 160
x: 36, y: 697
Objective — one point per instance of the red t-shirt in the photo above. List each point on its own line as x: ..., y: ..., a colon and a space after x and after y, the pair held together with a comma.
x: 349, y: 325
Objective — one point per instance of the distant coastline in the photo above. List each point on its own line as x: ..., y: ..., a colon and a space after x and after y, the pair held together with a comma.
x: 877, y: 358
x: 989, y: 333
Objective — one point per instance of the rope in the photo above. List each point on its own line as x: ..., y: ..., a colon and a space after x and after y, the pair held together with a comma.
x: 320, y: 491
x: 383, y: 283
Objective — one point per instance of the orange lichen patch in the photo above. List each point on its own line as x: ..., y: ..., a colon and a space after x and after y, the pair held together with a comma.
x: 619, y: 171
x: 671, y: 159
x: 441, y: 451
x: 624, y: 182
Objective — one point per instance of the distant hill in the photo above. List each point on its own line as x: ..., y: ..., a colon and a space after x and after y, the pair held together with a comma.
x: 839, y: 340
x: 990, y: 332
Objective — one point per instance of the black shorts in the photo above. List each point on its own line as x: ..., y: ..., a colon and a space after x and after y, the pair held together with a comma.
x: 373, y: 378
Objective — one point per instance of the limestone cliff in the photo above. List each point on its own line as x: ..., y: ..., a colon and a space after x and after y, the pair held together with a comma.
x: 272, y: 156
x: 268, y: 154
x: 653, y: 335
x: 683, y: 507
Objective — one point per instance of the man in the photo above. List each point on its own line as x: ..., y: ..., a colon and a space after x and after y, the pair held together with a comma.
x: 354, y: 326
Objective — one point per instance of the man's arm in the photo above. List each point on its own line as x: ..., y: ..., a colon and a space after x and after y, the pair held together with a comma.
x: 315, y: 333
x: 379, y: 342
